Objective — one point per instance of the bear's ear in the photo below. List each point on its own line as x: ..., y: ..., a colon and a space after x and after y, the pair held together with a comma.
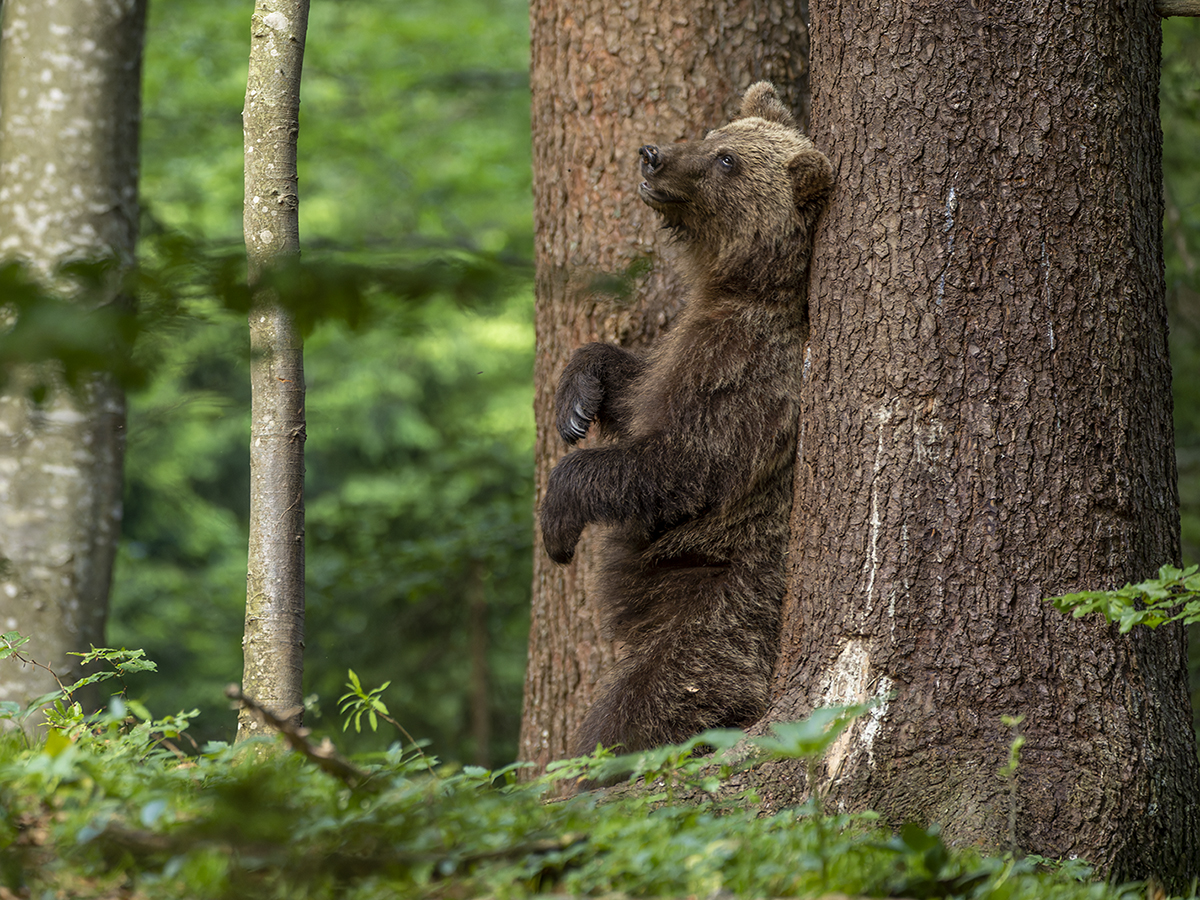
x: 761, y: 100
x: 812, y: 176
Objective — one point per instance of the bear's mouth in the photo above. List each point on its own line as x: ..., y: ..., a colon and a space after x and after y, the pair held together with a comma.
x: 657, y: 198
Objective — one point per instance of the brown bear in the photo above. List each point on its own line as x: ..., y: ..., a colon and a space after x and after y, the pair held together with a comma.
x: 695, y: 483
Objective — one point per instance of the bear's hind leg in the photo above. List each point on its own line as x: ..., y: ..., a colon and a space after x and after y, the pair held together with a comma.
x: 703, y: 667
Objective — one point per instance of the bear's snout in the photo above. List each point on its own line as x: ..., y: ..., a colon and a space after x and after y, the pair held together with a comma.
x: 651, y: 161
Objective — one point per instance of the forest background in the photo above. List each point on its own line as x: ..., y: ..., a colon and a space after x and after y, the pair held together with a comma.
x: 414, y: 145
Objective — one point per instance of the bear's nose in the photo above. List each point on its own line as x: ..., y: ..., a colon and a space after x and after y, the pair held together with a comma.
x: 650, y: 159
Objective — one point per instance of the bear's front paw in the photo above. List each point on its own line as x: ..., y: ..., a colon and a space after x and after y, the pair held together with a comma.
x: 561, y: 524
x: 576, y: 405
x: 560, y: 545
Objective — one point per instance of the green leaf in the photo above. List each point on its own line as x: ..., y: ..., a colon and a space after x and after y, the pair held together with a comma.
x: 13, y: 640
x: 810, y: 738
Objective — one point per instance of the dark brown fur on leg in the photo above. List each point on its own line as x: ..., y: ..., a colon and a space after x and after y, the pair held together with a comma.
x: 668, y: 690
x: 695, y: 483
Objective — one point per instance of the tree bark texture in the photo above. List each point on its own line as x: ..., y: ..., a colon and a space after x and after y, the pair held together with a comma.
x: 70, y: 92
x: 986, y: 421
x: 273, y: 645
x: 607, y: 79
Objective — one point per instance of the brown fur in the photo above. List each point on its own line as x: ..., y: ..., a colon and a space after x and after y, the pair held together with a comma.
x: 696, y: 484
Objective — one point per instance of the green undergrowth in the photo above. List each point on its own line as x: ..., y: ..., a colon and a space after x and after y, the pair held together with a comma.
x: 120, y: 805
x: 1174, y: 596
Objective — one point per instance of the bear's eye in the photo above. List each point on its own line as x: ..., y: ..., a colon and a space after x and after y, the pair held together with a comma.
x: 727, y: 162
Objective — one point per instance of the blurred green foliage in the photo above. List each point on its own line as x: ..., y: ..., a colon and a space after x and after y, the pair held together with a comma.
x: 38, y: 323
x: 1181, y: 174
x: 416, y: 227
x: 1180, y: 101
x: 414, y: 122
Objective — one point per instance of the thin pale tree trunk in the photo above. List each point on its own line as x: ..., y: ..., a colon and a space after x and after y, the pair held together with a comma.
x: 607, y: 79
x: 986, y: 421
x: 273, y: 644
x: 477, y: 627
x: 70, y: 94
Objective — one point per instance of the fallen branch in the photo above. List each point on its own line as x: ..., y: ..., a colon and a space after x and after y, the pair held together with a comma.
x: 323, y: 755
x: 1177, y: 7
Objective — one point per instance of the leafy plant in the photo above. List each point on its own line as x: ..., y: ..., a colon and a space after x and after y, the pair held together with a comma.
x: 59, y: 706
x: 1174, y: 596
x: 809, y: 738
x: 358, y: 701
x: 115, y: 809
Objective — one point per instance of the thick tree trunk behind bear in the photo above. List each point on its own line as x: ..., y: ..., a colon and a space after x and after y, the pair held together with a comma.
x: 605, y: 81
x: 986, y: 421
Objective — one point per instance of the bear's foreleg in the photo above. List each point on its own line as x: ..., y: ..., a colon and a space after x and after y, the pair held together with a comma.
x: 647, y: 482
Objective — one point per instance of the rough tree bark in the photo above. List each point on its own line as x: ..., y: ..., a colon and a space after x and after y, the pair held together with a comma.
x: 605, y: 80
x: 273, y: 644
x: 70, y: 93
x: 987, y: 421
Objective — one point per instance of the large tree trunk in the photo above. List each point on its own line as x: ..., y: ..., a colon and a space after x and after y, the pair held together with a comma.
x: 606, y: 80
x: 273, y: 645
x: 70, y: 91
x: 987, y: 421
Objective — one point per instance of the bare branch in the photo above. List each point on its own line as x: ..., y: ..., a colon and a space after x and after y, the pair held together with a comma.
x: 1177, y: 7
x: 323, y: 755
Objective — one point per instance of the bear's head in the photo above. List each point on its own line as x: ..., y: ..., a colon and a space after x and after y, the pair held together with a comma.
x: 744, y: 198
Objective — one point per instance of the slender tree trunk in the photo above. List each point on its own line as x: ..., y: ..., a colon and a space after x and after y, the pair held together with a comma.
x: 273, y: 645
x: 70, y: 93
x: 480, y: 704
x: 607, y: 79
x: 987, y: 421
